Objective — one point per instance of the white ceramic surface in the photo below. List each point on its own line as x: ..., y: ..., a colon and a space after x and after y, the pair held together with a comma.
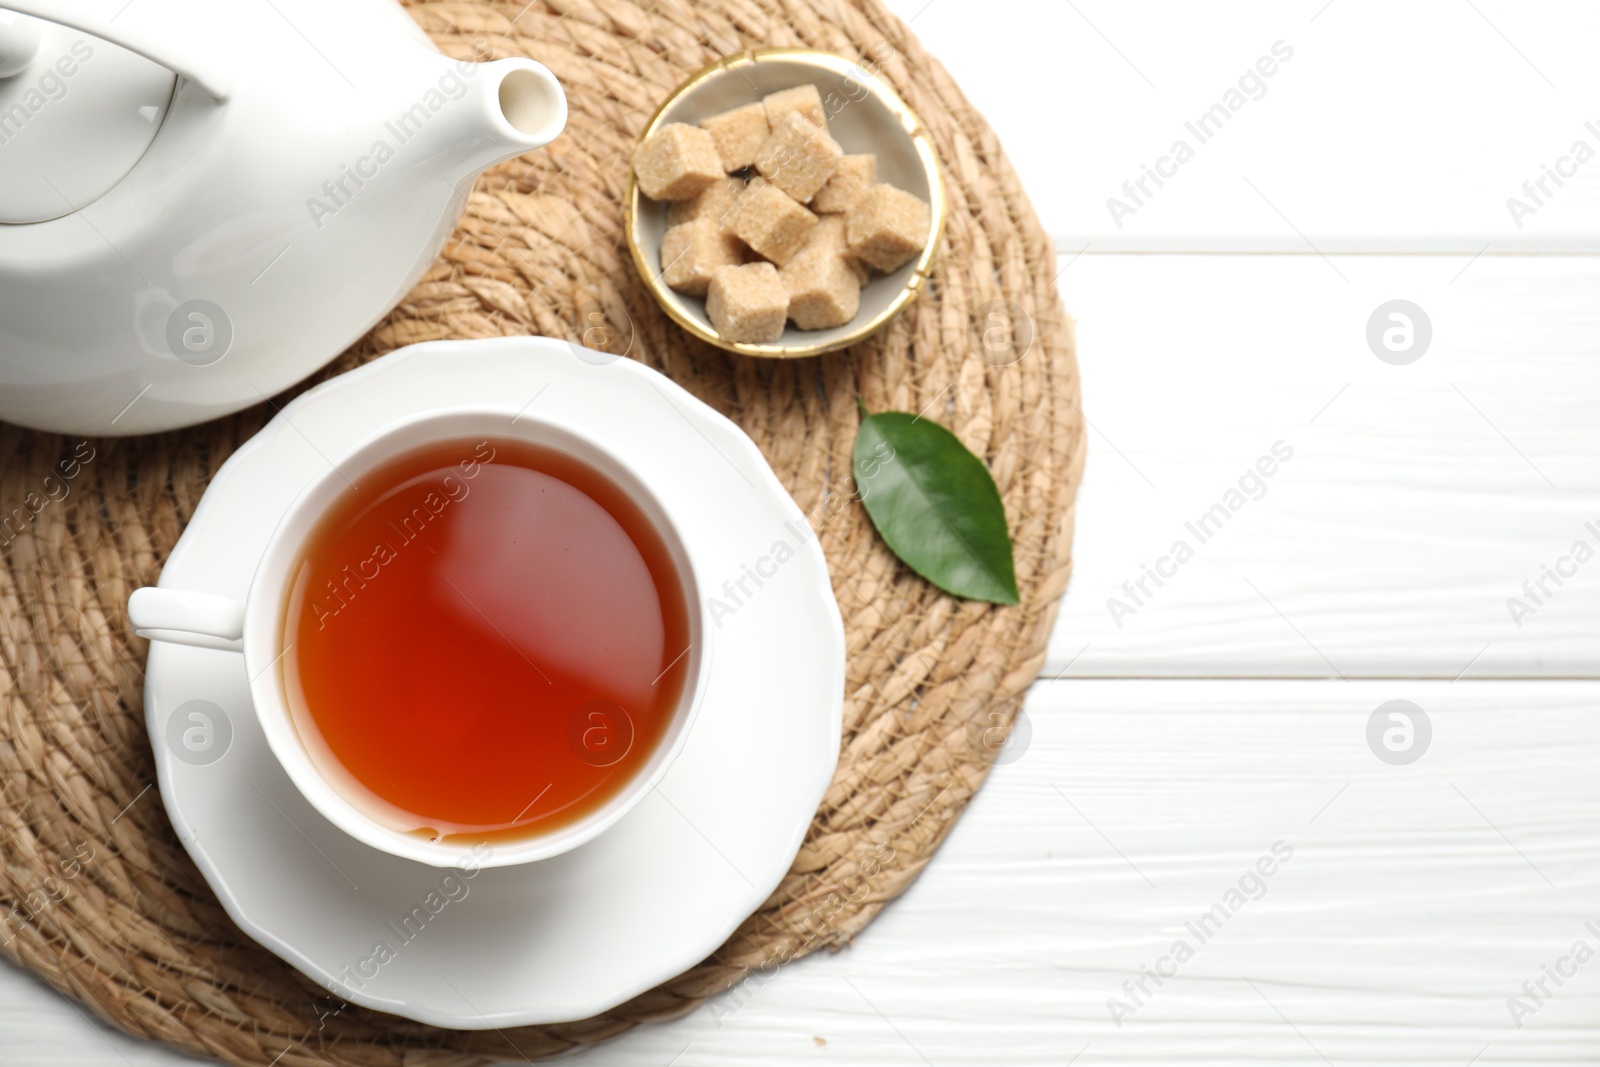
x: 572, y: 935
x: 256, y: 627
x: 76, y: 113
x: 308, y: 166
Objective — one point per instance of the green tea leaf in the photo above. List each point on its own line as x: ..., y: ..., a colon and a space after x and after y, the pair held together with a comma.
x: 935, y: 505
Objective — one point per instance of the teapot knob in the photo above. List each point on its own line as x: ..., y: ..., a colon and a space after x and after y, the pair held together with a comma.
x: 160, y: 32
x: 19, y: 43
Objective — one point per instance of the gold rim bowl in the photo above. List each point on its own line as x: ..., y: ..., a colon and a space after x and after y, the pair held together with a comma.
x: 864, y: 115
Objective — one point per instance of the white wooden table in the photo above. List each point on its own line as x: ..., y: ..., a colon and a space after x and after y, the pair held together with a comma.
x: 1178, y: 743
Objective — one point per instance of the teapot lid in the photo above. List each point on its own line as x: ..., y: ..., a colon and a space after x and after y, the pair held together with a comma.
x: 76, y: 113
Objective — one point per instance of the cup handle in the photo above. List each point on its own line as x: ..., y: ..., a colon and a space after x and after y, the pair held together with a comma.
x: 199, y: 620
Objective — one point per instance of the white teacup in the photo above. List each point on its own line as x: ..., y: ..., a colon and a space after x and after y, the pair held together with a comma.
x: 255, y: 627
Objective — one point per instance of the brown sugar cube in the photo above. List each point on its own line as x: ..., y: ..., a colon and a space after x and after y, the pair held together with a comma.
x: 850, y: 182
x: 747, y: 303
x: 802, y: 98
x: 888, y: 228
x: 692, y: 251
x: 772, y: 223
x: 718, y: 202
x: 829, y: 237
x: 798, y: 158
x: 738, y: 134
x: 823, y: 290
x: 676, y: 162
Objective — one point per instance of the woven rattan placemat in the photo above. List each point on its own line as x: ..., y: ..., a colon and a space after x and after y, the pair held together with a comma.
x: 99, y: 898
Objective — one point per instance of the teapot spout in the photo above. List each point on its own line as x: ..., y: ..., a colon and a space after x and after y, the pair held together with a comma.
x: 531, y: 102
x: 512, y: 106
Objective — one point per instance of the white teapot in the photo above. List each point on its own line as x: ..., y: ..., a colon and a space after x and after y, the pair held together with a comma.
x: 201, y: 203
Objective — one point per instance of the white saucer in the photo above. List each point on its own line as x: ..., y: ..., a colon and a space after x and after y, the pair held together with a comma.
x: 568, y: 937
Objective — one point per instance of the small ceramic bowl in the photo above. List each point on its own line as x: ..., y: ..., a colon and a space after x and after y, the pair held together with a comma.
x: 864, y: 115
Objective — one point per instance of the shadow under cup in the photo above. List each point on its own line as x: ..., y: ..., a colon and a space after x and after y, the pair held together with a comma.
x: 486, y: 640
